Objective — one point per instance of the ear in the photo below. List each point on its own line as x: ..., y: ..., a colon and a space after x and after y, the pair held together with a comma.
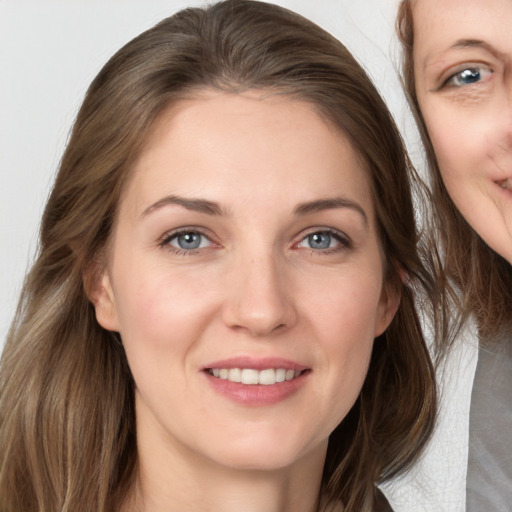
x: 388, y: 306
x: 100, y: 292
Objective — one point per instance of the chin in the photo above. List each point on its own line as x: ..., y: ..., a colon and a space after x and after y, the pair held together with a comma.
x: 263, y: 454
x: 266, y: 459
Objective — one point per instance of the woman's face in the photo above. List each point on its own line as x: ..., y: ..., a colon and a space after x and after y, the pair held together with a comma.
x: 463, y: 70
x: 246, y: 281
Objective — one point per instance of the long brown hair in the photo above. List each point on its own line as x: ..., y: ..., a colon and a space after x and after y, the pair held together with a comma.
x: 483, y: 277
x: 67, y: 420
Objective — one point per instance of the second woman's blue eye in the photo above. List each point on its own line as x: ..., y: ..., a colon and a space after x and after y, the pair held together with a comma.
x: 468, y: 76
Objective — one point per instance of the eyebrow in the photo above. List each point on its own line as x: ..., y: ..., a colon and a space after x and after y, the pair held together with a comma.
x: 329, y: 204
x: 195, y: 205
x: 464, y: 44
x: 212, y: 208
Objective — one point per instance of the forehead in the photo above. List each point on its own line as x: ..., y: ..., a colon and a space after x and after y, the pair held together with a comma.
x: 255, y: 143
x: 209, y: 120
x: 441, y: 24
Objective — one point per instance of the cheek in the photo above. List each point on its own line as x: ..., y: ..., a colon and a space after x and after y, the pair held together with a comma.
x: 462, y: 157
x: 163, y: 321
x: 462, y: 139
x: 347, y: 369
x: 447, y: 138
x: 352, y: 304
x: 346, y: 320
x: 160, y: 312
x: 349, y: 317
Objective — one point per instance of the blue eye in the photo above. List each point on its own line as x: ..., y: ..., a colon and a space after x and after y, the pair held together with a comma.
x: 187, y: 241
x: 468, y: 76
x: 319, y: 240
x: 323, y: 241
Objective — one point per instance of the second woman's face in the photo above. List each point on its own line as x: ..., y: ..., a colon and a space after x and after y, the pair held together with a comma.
x: 246, y: 281
x: 463, y: 71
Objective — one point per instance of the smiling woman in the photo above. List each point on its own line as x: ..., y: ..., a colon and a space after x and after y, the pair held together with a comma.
x: 271, y: 287
x: 222, y: 313
x: 458, y: 75
x: 466, y: 78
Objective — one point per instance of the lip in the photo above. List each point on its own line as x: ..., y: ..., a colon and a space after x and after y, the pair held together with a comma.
x: 256, y: 395
x: 256, y: 363
x: 504, y: 184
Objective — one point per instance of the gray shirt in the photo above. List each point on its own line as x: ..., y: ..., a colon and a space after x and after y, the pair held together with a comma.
x: 489, y: 478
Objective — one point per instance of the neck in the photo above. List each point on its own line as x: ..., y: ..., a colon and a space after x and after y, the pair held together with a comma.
x: 170, y: 480
x: 247, y: 491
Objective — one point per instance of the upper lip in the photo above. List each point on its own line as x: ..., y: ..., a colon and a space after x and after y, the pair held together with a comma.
x: 256, y: 363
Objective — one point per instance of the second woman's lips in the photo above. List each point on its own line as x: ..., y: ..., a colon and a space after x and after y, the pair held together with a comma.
x: 505, y: 184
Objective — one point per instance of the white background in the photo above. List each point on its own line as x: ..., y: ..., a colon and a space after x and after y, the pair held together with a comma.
x: 49, y: 53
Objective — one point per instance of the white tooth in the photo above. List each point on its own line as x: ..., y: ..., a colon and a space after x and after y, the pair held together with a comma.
x: 250, y: 376
x: 280, y: 375
x: 223, y: 373
x: 268, y: 377
x: 290, y: 374
x: 297, y: 373
x: 235, y: 375
x: 507, y: 184
x: 215, y: 372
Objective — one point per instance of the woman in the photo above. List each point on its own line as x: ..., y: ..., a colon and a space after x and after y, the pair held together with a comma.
x: 221, y: 315
x: 457, y: 75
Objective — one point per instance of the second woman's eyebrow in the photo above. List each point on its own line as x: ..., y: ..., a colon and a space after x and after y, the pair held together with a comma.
x: 469, y: 43
x: 461, y: 44
x: 193, y: 204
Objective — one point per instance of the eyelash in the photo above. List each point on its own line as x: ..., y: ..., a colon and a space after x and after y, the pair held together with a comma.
x: 344, y: 242
x: 169, y: 237
x: 481, y: 69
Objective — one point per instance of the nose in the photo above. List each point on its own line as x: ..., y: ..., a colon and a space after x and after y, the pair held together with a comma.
x: 259, y: 299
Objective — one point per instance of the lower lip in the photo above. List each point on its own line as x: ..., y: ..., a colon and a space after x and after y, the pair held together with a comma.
x: 257, y: 394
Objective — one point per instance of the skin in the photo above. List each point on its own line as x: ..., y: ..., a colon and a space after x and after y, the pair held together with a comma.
x: 462, y: 66
x: 253, y: 288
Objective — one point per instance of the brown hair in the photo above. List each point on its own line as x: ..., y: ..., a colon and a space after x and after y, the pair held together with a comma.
x: 67, y: 420
x: 482, y: 276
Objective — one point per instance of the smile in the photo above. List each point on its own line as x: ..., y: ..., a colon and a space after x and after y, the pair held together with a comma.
x: 505, y: 184
x: 249, y: 376
x: 255, y: 382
